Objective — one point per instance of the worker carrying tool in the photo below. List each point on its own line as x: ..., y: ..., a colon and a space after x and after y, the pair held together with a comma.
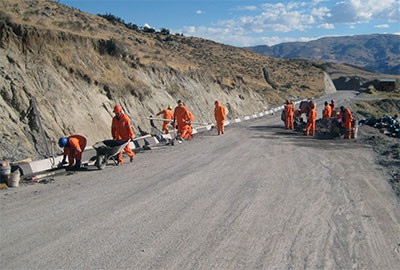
x: 327, y: 111
x: 167, y: 114
x: 121, y: 129
x: 289, y: 110
x: 311, y: 118
x: 219, y: 113
x: 345, y: 118
x: 73, y: 146
x: 182, y: 120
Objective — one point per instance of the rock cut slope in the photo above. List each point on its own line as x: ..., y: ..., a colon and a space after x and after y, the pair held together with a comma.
x: 78, y: 66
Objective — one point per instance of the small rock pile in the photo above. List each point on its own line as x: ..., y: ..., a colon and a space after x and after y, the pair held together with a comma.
x: 387, y: 125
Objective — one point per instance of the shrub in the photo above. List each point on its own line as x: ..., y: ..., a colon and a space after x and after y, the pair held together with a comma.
x: 164, y: 31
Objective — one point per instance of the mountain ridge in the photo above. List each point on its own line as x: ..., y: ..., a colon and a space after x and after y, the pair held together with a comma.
x: 377, y: 52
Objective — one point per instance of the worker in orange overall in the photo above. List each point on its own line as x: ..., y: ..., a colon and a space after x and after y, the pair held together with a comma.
x: 289, y: 110
x: 181, y: 120
x: 189, y: 133
x: 219, y: 113
x: 167, y: 114
x: 312, y: 117
x: 346, y: 118
x: 73, y: 146
x: 327, y: 111
x: 121, y: 129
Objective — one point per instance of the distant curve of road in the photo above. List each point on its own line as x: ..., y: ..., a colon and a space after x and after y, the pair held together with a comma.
x: 258, y: 197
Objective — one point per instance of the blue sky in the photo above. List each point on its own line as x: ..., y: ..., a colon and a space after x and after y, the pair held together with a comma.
x: 249, y: 23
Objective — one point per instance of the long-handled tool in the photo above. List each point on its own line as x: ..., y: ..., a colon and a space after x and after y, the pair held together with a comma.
x: 171, y: 120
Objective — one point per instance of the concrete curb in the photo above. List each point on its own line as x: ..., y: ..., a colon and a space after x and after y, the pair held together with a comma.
x: 32, y: 168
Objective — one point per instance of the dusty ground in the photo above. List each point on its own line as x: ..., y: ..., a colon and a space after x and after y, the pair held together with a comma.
x: 258, y: 197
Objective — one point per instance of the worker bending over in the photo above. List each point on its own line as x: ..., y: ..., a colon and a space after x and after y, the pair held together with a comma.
x: 73, y: 146
x: 327, y: 111
x: 346, y: 118
x: 167, y: 114
x: 121, y: 129
x: 219, y: 113
x: 289, y: 110
x: 311, y: 118
x: 182, y: 119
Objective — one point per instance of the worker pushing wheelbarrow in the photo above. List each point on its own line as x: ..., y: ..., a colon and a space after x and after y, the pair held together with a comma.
x: 108, y: 150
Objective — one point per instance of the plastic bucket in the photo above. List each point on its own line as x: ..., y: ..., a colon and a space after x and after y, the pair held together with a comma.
x: 13, y: 179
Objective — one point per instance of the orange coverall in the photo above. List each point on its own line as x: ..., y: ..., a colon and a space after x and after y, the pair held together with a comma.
x: 289, y: 110
x: 312, y: 117
x: 190, y: 129
x: 327, y: 112
x: 121, y: 129
x: 347, y: 118
x: 181, y: 117
x: 219, y: 113
x: 74, y: 148
x: 167, y: 114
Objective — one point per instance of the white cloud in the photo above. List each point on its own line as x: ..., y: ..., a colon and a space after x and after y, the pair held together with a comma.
x: 224, y: 35
x: 275, y: 18
x: 249, y: 8
x: 199, y: 12
x: 352, y: 27
x: 382, y: 26
x: 321, y: 12
x: 326, y: 26
x: 348, y: 11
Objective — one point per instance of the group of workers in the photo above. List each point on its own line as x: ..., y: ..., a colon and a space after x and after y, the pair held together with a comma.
x: 121, y: 129
x: 345, y: 117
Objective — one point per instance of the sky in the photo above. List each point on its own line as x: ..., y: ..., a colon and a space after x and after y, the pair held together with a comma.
x: 249, y: 23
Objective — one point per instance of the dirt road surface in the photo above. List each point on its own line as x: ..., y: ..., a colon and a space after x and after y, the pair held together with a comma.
x: 258, y: 197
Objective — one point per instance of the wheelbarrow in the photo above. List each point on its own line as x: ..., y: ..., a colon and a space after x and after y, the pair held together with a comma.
x: 108, y: 150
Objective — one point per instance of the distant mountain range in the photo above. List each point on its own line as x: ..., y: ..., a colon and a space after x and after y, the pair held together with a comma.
x: 377, y: 52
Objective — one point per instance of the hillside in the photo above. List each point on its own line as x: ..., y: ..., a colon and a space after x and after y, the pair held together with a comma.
x: 378, y: 52
x: 78, y: 66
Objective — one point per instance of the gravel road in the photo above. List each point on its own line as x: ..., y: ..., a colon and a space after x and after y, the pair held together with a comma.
x: 258, y: 197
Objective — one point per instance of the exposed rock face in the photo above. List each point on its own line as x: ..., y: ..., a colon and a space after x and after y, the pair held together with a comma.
x: 77, y: 76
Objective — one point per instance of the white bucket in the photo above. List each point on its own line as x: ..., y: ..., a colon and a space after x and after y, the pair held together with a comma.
x: 13, y: 179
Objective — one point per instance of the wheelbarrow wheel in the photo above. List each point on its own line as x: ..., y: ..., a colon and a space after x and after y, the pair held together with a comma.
x: 101, y: 162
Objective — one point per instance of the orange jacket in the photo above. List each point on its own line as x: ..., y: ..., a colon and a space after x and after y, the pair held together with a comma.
x: 121, y: 129
x: 181, y: 115
x: 289, y: 109
x: 76, y: 144
x: 312, y: 115
x: 167, y: 114
x: 333, y: 106
x: 327, y: 112
x: 346, y: 118
x: 219, y: 112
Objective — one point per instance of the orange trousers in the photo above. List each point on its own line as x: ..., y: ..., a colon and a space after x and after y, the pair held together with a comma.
x: 165, y: 127
x: 289, y: 122
x: 220, y: 126
x: 128, y: 151
x: 310, y: 125
x: 347, y: 125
